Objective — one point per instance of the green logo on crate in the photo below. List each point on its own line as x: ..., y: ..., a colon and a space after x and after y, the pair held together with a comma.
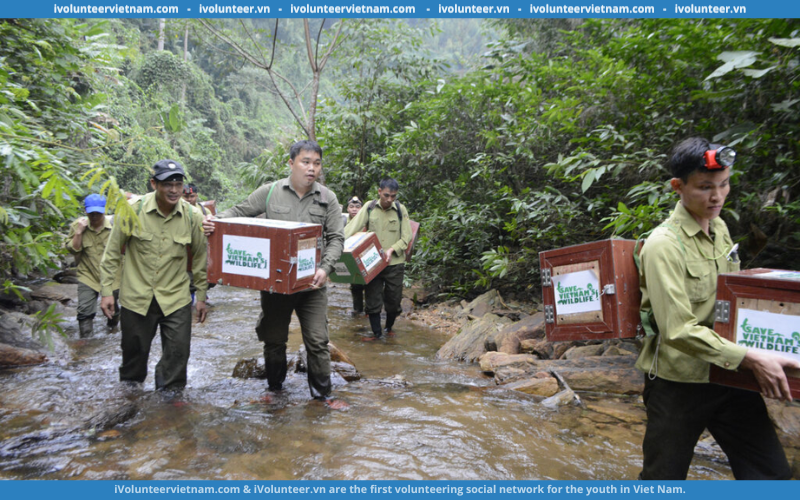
x: 243, y: 258
x: 577, y: 294
x: 305, y: 265
x: 768, y: 339
x: 370, y: 259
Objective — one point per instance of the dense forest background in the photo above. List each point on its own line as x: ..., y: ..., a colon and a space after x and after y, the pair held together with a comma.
x: 508, y: 137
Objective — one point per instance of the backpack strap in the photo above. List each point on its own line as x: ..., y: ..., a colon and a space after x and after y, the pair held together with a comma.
x: 269, y: 195
x: 373, y: 203
x: 647, y: 316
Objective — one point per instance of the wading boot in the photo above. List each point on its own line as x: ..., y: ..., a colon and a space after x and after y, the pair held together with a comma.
x: 86, y: 327
x: 390, y: 317
x: 375, y: 325
x: 113, y: 321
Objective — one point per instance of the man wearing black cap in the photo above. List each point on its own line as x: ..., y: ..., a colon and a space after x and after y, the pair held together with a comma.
x: 155, y: 285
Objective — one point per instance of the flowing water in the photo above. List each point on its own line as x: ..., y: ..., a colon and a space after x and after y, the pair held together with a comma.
x: 410, y: 417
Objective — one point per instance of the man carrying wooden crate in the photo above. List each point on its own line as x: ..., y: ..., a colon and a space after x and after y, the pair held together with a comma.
x: 680, y: 262
x: 298, y: 198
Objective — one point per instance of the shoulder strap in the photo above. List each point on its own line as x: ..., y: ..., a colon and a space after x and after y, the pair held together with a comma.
x: 646, y: 315
x: 323, y: 194
x: 266, y: 204
x: 399, y: 211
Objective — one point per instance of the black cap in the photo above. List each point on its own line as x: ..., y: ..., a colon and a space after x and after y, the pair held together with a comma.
x: 164, y: 169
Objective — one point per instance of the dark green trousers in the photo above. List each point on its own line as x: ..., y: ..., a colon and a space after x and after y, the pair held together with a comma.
x: 273, y: 329
x: 385, y: 291
x: 137, y: 335
x: 357, y: 291
x: 677, y: 413
x: 87, y: 302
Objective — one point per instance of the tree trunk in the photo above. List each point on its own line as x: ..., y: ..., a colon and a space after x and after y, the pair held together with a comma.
x: 185, y: 57
x: 162, y: 25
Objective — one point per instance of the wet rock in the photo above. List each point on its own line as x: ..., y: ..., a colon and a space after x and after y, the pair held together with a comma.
x: 407, y: 305
x: 469, y: 344
x: 583, y: 351
x: 786, y: 418
x: 248, y: 368
x: 563, y: 398
x: 560, y: 348
x: 340, y: 363
x: 37, y: 306
x: 492, y: 361
x: 545, y: 387
x: 11, y: 299
x: 616, y: 351
x: 618, y: 411
x: 68, y: 277
x: 482, y: 305
x: 610, y: 374
x: 509, y: 338
x: 346, y: 370
x: 56, y: 292
x: 111, y: 416
x: 16, y: 356
x: 540, y: 348
x: 16, y: 329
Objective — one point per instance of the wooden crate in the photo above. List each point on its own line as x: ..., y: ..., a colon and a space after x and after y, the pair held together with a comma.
x: 414, y: 231
x: 210, y: 205
x: 362, y: 259
x: 759, y: 309
x: 264, y: 254
x: 591, y: 291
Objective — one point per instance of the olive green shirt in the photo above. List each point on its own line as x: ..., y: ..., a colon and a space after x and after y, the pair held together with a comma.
x: 156, y: 258
x: 90, y: 253
x: 314, y: 207
x: 678, y: 279
x: 385, y: 223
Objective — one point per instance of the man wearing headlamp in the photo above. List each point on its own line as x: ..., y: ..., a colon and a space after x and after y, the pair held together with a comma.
x: 680, y: 262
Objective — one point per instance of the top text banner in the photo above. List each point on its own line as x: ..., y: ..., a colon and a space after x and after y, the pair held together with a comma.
x: 403, y: 8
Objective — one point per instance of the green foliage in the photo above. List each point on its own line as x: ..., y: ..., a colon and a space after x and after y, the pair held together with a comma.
x: 47, y: 322
x: 49, y: 126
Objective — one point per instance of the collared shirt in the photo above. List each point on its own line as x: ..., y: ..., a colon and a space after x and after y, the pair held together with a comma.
x: 285, y: 204
x: 385, y: 223
x: 90, y: 253
x: 156, y: 258
x: 678, y: 279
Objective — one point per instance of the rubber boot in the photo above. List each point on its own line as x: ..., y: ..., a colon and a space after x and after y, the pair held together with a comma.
x: 375, y: 324
x: 390, y: 317
x: 86, y: 327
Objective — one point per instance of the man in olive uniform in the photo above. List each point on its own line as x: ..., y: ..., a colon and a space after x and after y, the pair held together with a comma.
x: 298, y: 198
x: 155, y: 285
x: 388, y: 219
x: 87, y: 241
x: 680, y: 262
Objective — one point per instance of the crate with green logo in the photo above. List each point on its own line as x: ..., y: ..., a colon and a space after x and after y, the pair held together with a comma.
x: 264, y: 254
x: 591, y: 291
x: 758, y: 309
x: 362, y: 259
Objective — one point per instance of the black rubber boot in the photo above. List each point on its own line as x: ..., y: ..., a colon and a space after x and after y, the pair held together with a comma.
x: 375, y: 324
x: 390, y: 317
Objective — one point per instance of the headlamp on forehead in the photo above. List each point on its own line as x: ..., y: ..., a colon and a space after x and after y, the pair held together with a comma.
x: 720, y: 158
